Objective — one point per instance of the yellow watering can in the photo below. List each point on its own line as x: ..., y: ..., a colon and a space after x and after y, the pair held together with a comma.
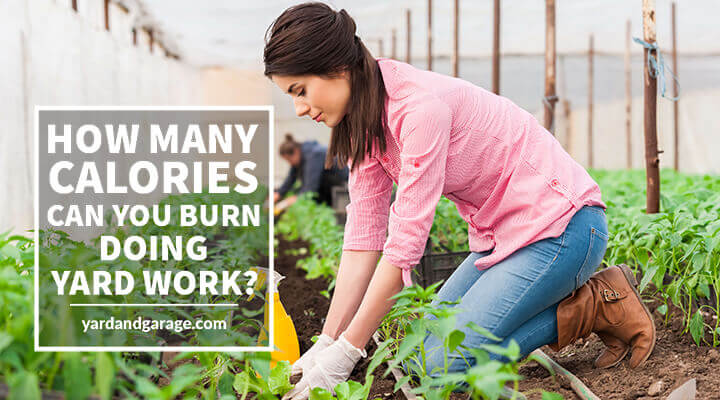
x: 286, y: 341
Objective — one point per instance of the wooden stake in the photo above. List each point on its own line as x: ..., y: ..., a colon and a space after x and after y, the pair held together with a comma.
x: 429, y: 37
x: 456, y: 22
x: 134, y: 36
x: 151, y: 40
x: 407, y: 36
x: 562, y: 95
x: 652, y: 159
x: 567, y: 111
x: 107, y: 15
x: 496, y: 48
x: 591, y: 161
x: 393, y: 45
x: 628, y: 95
x: 74, y: 5
x: 675, y: 92
x: 550, y: 97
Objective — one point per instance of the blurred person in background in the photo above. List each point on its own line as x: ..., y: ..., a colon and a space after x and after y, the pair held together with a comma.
x: 307, y: 163
x: 536, y: 221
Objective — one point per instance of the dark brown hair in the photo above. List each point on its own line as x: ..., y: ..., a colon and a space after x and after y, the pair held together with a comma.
x: 313, y: 39
x: 289, y: 146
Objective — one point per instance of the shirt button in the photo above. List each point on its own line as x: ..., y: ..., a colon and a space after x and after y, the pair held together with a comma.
x: 385, y: 159
x: 555, y: 182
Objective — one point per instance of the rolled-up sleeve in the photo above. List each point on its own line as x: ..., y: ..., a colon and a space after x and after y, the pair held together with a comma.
x: 424, y: 138
x: 370, y: 189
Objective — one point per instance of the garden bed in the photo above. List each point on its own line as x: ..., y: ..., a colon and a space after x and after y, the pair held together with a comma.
x: 675, y: 360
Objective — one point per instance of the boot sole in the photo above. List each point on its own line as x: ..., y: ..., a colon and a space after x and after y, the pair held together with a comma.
x: 633, y: 284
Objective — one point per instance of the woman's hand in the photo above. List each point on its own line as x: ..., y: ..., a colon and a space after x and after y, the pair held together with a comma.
x: 307, y: 361
x: 333, y: 365
x: 277, y: 196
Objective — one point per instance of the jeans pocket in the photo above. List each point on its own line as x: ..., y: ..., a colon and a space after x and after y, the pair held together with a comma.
x: 594, y: 256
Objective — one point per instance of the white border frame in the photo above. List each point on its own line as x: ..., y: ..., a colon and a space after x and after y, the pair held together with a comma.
x: 271, y: 243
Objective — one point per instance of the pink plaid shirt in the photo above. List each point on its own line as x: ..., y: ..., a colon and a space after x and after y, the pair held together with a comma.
x: 510, y: 179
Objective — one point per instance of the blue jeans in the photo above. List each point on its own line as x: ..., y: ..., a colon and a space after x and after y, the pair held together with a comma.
x: 517, y: 298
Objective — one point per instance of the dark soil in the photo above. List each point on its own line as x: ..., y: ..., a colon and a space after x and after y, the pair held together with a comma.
x: 307, y: 308
x: 675, y: 360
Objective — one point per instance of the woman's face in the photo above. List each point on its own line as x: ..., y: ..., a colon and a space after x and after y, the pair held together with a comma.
x: 293, y: 158
x: 323, y: 99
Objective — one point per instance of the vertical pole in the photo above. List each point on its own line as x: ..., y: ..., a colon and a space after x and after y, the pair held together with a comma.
x: 496, y: 48
x: 408, y: 28
x: 393, y: 45
x: 550, y: 97
x: 591, y: 161
x: 652, y: 160
x: 134, y: 36
x: 628, y: 95
x: 74, y: 5
x: 456, y: 22
x: 107, y: 15
x: 675, y: 91
x: 151, y: 40
x: 381, y: 50
x: 562, y: 95
x: 429, y: 37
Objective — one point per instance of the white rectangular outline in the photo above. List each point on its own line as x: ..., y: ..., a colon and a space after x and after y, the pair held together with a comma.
x: 271, y: 243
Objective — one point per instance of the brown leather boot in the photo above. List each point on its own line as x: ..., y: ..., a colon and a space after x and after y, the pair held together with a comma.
x: 614, y: 352
x: 608, y: 304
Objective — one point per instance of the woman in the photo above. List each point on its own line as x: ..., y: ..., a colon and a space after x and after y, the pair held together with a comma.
x: 536, y: 221
x: 307, y: 162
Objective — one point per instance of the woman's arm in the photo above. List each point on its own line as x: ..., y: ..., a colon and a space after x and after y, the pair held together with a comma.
x: 356, y: 269
x: 425, y: 138
x: 385, y: 283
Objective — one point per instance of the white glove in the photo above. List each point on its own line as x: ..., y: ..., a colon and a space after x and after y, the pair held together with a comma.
x: 307, y: 360
x: 333, y: 365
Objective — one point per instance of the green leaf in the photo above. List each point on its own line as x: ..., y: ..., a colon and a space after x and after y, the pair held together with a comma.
x: 648, y: 274
x: 342, y: 391
x: 104, y: 375
x: 24, y: 385
x: 183, y: 377
x: 542, y: 361
x: 5, y: 340
x: 10, y: 251
x: 455, y: 339
x: 405, y: 379
x: 484, y: 332
x: 225, y: 384
x: 261, y: 363
x: 279, y: 381
x: 77, y: 378
x: 512, y: 351
x: 551, y: 396
x: 381, y: 354
x: 406, y: 348
x: 697, y: 325
x: 244, y: 383
x: 662, y: 309
x: 319, y: 393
